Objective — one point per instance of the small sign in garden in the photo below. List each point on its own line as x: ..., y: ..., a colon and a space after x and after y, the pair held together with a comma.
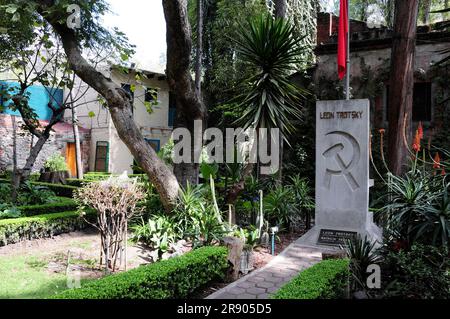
x: 342, y: 173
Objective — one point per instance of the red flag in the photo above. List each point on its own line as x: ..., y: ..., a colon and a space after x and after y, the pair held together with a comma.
x: 342, y: 39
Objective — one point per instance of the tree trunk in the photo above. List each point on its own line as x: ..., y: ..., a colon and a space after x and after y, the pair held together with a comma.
x: 401, y: 81
x: 25, y: 172
x: 280, y: 163
x: 120, y: 109
x: 16, y: 176
x: 280, y: 12
x: 426, y: 7
x: 190, y: 106
x: 198, y: 63
x: 280, y: 8
x: 76, y: 135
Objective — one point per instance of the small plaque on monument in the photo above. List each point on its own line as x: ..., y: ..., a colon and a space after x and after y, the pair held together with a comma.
x: 335, y: 237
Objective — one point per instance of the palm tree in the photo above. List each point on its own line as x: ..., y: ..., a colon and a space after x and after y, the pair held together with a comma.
x: 269, y: 98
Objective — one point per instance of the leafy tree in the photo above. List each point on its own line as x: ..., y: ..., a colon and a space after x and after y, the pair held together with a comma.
x: 190, y: 106
x: 39, y: 60
x: 94, y: 36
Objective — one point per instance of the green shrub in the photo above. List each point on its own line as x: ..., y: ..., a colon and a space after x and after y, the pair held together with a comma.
x: 76, y: 182
x: 56, y: 163
x: 362, y: 253
x: 325, y: 280
x: 417, y: 208
x: 7, y: 211
x: 422, y: 272
x: 62, y: 205
x: 29, y: 194
x: 42, y: 226
x: 58, y: 189
x: 158, y: 233
x: 280, y: 207
x: 175, y: 278
x: 32, y: 194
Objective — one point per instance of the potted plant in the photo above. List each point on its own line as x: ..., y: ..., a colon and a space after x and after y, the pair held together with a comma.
x: 55, y: 170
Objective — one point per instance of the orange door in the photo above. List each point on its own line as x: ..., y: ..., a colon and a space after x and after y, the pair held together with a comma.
x: 71, y: 159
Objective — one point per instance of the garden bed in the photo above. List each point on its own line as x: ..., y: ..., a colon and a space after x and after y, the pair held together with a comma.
x: 37, y: 268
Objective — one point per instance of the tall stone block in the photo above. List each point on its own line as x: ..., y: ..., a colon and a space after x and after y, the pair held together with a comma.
x: 342, y: 173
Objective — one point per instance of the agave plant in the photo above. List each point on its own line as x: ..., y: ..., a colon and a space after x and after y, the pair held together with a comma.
x: 407, y: 196
x: 435, y: 222
x: 362, y: 253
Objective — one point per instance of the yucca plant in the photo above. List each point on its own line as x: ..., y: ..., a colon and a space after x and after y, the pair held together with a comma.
x: 279, y: 207
x: 269, y: 98
x: 190, y: 206
x: 304, y: 204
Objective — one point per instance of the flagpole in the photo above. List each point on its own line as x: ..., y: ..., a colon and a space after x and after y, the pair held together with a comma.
x: 347, y: 77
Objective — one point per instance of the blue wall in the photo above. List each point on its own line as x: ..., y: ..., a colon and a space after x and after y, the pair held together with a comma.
x: 39, y: 99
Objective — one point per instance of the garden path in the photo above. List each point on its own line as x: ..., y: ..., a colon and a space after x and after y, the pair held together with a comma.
x: 261, y: 283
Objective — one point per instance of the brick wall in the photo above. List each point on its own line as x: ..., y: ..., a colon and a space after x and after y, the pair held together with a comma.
x: 57, y: 143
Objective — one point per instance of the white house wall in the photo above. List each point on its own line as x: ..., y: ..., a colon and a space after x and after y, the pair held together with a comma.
x: 153, y: 126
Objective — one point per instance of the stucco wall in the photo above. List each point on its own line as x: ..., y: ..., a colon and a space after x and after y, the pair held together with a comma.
x: 153, y: 126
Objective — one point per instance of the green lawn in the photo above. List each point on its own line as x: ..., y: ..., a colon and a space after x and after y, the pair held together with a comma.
x: 25, y: 277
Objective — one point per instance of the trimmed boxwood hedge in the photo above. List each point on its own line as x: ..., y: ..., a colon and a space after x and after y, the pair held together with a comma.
x: 76, y: 182
x: 174, y: 278
x: 42, y: 226
x: 325, y: 280
x: 58, y: 189
x: 63, y: 205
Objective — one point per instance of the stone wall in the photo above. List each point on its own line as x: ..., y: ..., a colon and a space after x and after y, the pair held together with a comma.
x: 57, y: 143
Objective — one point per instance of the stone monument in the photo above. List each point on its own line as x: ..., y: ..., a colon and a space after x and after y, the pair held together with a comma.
x: 342, y: 174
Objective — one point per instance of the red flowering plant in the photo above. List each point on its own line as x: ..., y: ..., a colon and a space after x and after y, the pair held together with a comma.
x: 416, y: 206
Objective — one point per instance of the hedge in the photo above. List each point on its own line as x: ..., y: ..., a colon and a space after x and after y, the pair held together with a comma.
x: 174, y: 278
x: 42, y: 226
x: 325, y: 280
x: 58, y: 189
x: 76, y: 182
x: 63, y: 205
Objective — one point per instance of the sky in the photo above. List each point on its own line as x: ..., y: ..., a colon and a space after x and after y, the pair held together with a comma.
x: 143, y: 22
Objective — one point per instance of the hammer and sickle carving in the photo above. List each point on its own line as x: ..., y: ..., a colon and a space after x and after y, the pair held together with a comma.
x: 345, y: 169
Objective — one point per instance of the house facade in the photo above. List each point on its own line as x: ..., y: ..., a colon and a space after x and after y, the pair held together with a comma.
x: 101, y: 148
x: 107, y: 151
x: 370, y: 54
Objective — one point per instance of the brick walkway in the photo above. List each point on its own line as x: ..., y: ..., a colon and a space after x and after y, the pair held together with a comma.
x: 263, y: 282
